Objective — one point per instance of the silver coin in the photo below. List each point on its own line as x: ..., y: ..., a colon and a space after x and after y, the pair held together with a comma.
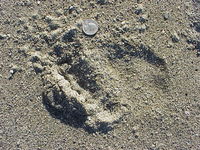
x: 90, y: 27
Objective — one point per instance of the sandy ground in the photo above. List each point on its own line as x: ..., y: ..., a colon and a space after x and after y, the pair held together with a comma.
x: 141, y: 72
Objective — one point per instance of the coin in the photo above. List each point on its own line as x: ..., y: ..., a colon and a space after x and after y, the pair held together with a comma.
x: 90, y: 27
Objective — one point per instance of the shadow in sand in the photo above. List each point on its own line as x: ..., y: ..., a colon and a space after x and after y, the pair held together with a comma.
x: 70, y: 112
x: 119, y: 51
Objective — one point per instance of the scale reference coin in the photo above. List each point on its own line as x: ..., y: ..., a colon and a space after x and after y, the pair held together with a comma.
x: 90, y: 27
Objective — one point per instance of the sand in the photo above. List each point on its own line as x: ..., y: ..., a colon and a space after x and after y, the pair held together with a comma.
x: 135, y: 84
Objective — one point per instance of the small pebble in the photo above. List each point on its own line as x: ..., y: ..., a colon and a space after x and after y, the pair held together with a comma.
x: 143, y: 18
x: 28, y: 3
x: 102, y: 2
x: 23, y: 49
x: 187, y: 113
x: 34, y: 58
x: 175, y: 37
x: 169, y: 134
x: 72, y: 9
x: 24, y: 3
x: 13, y: 70
x: 2, y: 36
x: 137, y: 134
x: 135, y: 129
x: 90, y: 27
x: 198, y: 53
x: 141, y: 28
x: 54, y: 26
x: 170, y: 44
x: 59, y: 12
x: 50, y: 19
x: 139, y: 9
x: 38, y: 67
x: 16, y: 68
x: 21, y: 21
x: 56, y: 33
x: 35, y: 16
x: 166, y: 15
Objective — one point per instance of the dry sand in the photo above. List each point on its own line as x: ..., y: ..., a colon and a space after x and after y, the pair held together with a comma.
x: 133, y: 85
